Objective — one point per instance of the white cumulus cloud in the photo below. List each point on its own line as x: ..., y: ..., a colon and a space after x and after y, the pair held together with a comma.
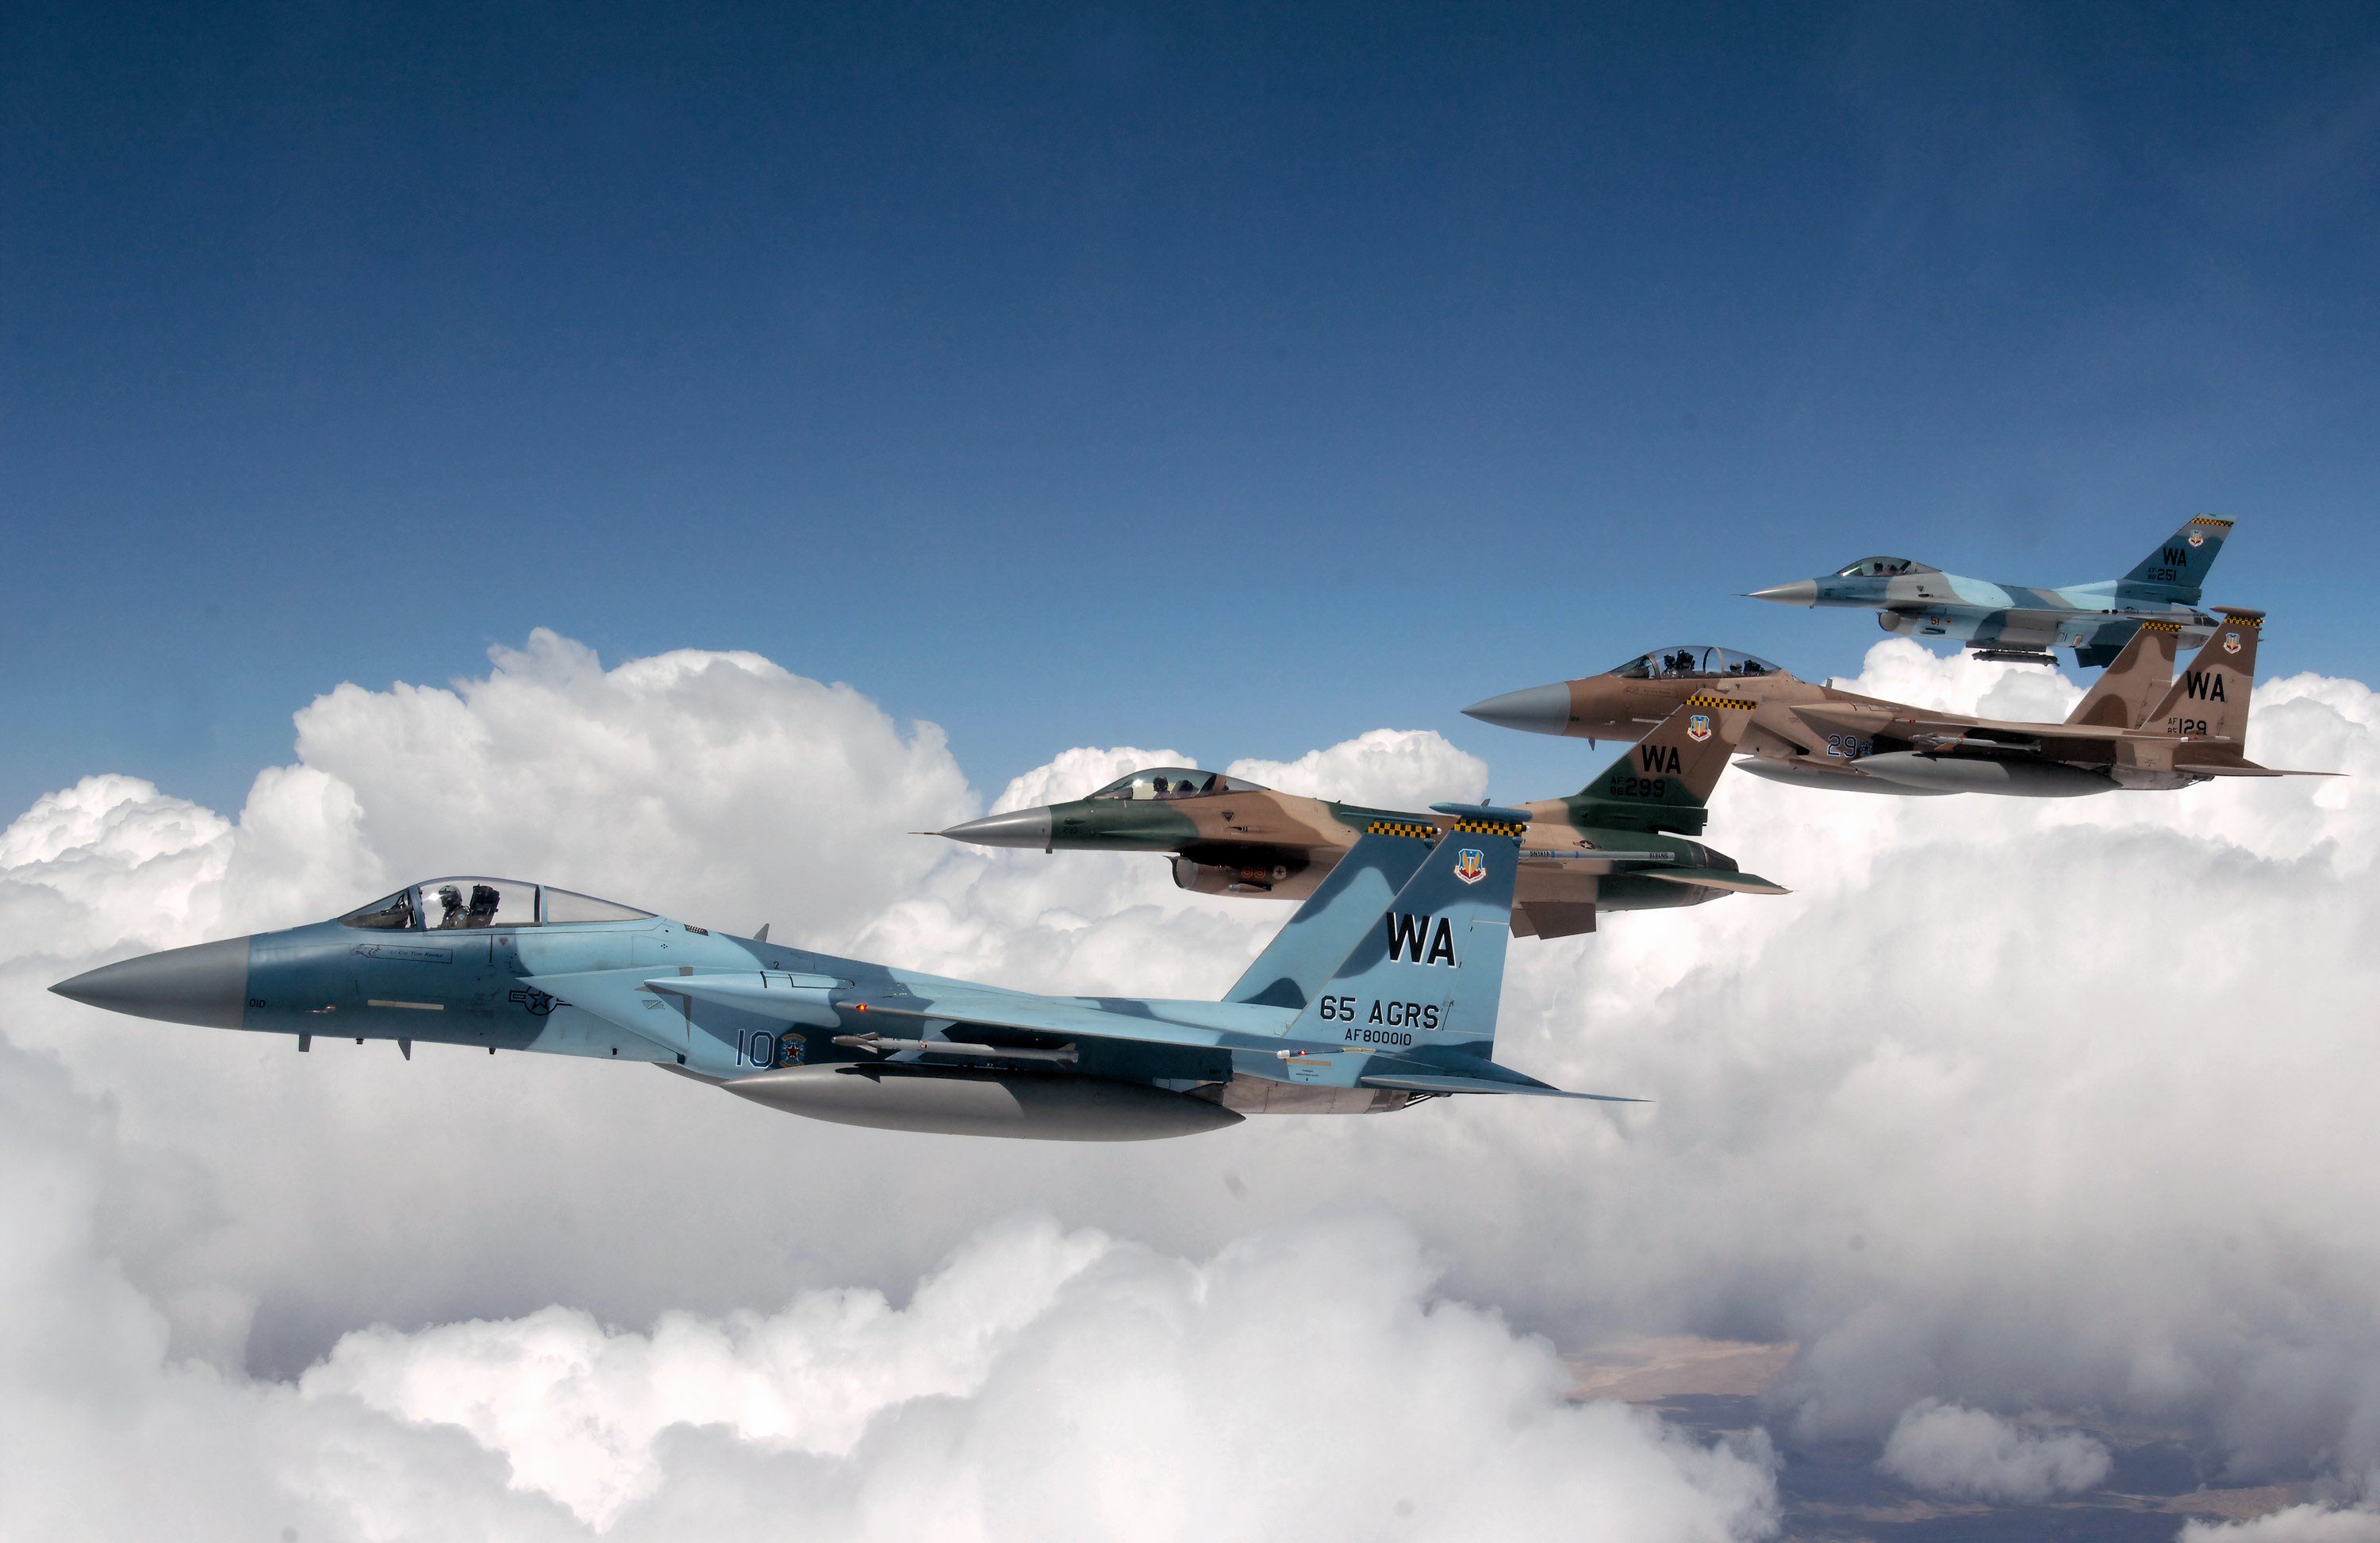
x: 2297, y: 1523
x: 1942, y: 1449
x: 2056, y: 1107
x: 1078, y: 773
x: 1399, y: 768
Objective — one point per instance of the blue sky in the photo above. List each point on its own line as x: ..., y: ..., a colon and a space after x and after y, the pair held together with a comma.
x: 1229, y: 377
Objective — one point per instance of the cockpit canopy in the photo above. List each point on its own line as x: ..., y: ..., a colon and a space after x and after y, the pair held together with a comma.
x: 448, y: 904
x: 1884, y: 567
x: 1174, y: 781
x: 1692, y: 661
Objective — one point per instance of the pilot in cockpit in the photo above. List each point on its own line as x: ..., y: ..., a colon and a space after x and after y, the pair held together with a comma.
x: 450, y: 908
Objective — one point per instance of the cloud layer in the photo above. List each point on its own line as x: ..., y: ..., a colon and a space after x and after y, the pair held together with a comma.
x: 2025, y: 1110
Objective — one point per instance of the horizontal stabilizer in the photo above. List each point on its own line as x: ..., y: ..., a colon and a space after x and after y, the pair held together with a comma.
x: 1717, y: 878
x: 1438, y: 1082
x: 2245, y: 768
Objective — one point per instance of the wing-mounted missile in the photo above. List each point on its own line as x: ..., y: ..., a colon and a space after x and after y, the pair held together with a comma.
x: 962, y: 1050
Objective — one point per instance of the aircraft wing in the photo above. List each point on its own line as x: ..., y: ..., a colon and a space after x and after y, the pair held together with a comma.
x: 1428, y: 1082
x: 633, y: 999
x: 1846, y: 718
x: 1716, y: 878
x: 1038, y: 1015
x: 2218, y: 758
x: 2067, y: 738
x: 1467, y: 1075
x: 1073, y: 1018
x: 622, y: 997
x: 2244, y: 769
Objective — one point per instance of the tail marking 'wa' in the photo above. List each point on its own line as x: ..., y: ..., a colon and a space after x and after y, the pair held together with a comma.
x: 2209, y: 698
x: 1664, y: 782
x: 1425, y: 974
x: 2176, y: 569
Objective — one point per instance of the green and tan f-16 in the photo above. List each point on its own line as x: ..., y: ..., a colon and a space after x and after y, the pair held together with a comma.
x: 1621, y: 843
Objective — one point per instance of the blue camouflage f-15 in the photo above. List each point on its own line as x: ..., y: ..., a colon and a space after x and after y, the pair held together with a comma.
x: 1381, y: 991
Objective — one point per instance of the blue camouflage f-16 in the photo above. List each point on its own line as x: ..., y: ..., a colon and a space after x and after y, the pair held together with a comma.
x: 2010, y: 621
x: 1381, y: 991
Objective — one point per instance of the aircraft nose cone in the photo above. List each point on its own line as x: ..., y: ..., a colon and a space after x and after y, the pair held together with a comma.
x: 1016, y: 827
x: 1801, y: 592
x: 1538, y: 710
x: 205, y: 984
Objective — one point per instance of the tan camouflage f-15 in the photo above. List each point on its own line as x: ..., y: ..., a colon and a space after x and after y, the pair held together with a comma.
x: 1621, y: 843
x: 2141, y: 727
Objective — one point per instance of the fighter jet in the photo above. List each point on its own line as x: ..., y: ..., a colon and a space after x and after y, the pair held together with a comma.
x: 1381, y: 991
x: 1604, y: 848
x: 2138, y: 728
x: 2008, y: 621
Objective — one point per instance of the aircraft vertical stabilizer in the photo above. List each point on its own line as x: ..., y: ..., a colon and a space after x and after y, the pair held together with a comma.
x: 1663, y: 782
x: 2209, y: 698
x: 2177, y: 569
x: 1335, y: 918
x: 1428, y: 973
x: 2131, y: 687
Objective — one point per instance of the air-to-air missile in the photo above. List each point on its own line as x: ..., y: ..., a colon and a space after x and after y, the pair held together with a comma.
x: 1381, y: 991
x: 2013, y: 622
x: 1618, y: 845
x: 2140, y: 727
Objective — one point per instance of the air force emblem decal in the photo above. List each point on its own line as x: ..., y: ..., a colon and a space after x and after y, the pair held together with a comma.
x: 2231, y: 642
x: 1470, y: 865
x: 1698, y: 727
x: 2197, y: 539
